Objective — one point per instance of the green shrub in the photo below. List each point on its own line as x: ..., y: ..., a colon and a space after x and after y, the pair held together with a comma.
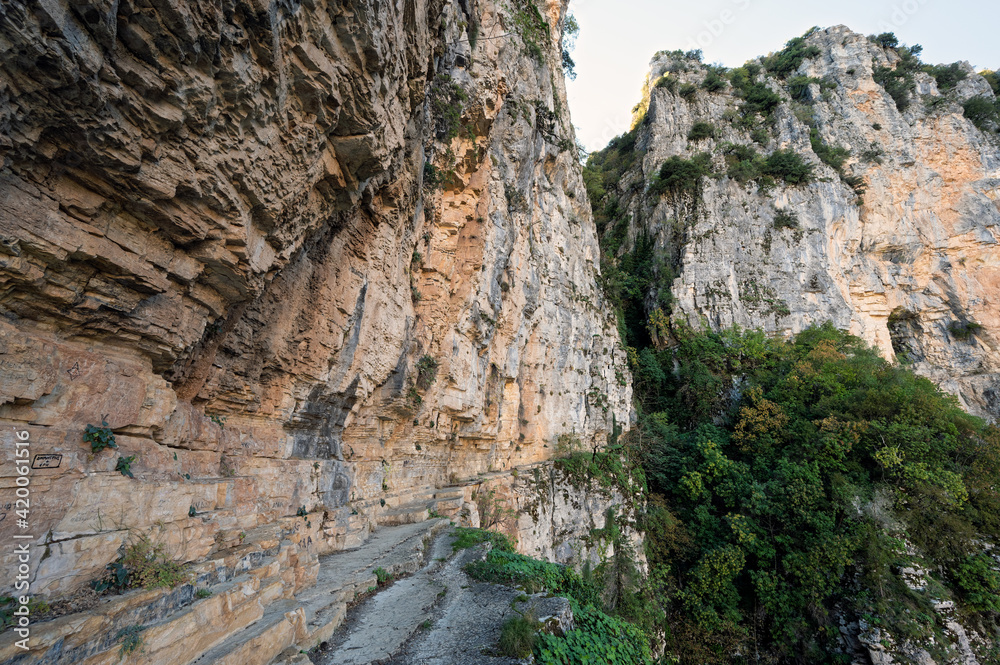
x: 141, y: 564
x: 899, y: 82
x: 787, y: 165
x: 947, y: 76
x: 99, y: 438
x: 383, y: 576
x: 993, y: 79
x: 668, y: 82
x: 964, y: 330
x: 784, y: 219
x: 678, y: 176
x: 978, y: 582
x: 518, y: 636
x: 687, y: 91
x: 427, y: 368
x: 787, y: 60
x: 833, y: 156
x: 447, y: 100
x: 531, y: 27
x: 758, y: 99
x: 713, y: 82
x: 700, y: 131
x: 203, y: 593
x: 433, y: 176
x: 743, y: 162
x: 775, y: 504
x: 981, y: 111
x: 886, y: 40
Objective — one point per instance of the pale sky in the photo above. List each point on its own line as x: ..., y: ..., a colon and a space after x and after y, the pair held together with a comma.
x: 618, y: 38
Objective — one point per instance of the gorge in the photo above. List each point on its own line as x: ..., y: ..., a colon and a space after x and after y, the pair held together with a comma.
x: 289, y: 286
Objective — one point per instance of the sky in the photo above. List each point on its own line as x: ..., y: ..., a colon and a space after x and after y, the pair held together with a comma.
x: 619, y: 37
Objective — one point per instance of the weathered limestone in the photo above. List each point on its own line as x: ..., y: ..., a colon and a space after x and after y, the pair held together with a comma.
x: 923, y: 243
x: 233, y: 231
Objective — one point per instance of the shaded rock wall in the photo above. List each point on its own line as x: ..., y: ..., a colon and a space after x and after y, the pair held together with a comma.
x: 922, y: 244
x: 233, y: 230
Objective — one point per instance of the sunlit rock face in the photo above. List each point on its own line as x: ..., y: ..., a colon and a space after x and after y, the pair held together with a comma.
x: 299, y: 256
x: 912, y: 266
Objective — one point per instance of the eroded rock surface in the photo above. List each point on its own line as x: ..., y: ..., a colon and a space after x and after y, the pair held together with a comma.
x: 908, y: 267
x: 301, y: 257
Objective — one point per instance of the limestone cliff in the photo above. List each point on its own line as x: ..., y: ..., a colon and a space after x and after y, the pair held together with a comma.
x: 297, y: 255
x: 898, y: 245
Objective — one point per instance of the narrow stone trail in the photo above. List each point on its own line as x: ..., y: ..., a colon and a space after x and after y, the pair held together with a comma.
x: 437, y: 616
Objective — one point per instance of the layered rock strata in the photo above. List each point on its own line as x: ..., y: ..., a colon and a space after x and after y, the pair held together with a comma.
x: 312, y: 257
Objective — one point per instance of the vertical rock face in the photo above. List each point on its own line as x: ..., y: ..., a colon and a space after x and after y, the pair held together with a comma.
x: 310, y: 254
x: 911, y: 266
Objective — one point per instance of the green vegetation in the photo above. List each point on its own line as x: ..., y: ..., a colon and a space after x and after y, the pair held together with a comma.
x: 141, y: 564
x: 744, y: 165
x: 798, y: 87
x: 687, y: 91
x: 433, y: 176
x: 9, y: 605
x: 769, y: 510
x: 602, y: 634
x: 668, y: 82
x: 529, y: 24
x: 886, y: 40
x: 571, y: 30
x: 203, y: 593
x: 130, y: 641
x: 947, y: 76
x: 898, y: 81
x: 124, y: 465
x: 99, y: 438
x: 427, y: 368
x: 963, y: 329
x: 787, y: 60
x: 382, y: 576
x: 787, y: 165
x: 993, y: 79
x: 518, y: 636
x: 701, y: 130
x: 466, y: 538
x: 759, y: 101
x: 783, y: 486
x: 981, y: 111
x: 834, y: 157
x: 602, y: 175
x: 447, y: 100
x: 784, y: 219
x: 714, y: 80
x: 681, y: 177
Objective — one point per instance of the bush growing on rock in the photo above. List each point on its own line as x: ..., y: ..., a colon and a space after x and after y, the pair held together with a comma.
x: 981, y: 111
x: 700, y: 131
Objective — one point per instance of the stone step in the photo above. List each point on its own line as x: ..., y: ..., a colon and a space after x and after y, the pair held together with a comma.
x: 281, y: 626
x: 345, y: 575
x: 409, y: 513
x: 247, y: 619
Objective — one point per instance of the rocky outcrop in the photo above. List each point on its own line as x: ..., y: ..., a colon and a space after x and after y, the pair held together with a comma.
x: 911, y: 265
x: 307, y: 257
